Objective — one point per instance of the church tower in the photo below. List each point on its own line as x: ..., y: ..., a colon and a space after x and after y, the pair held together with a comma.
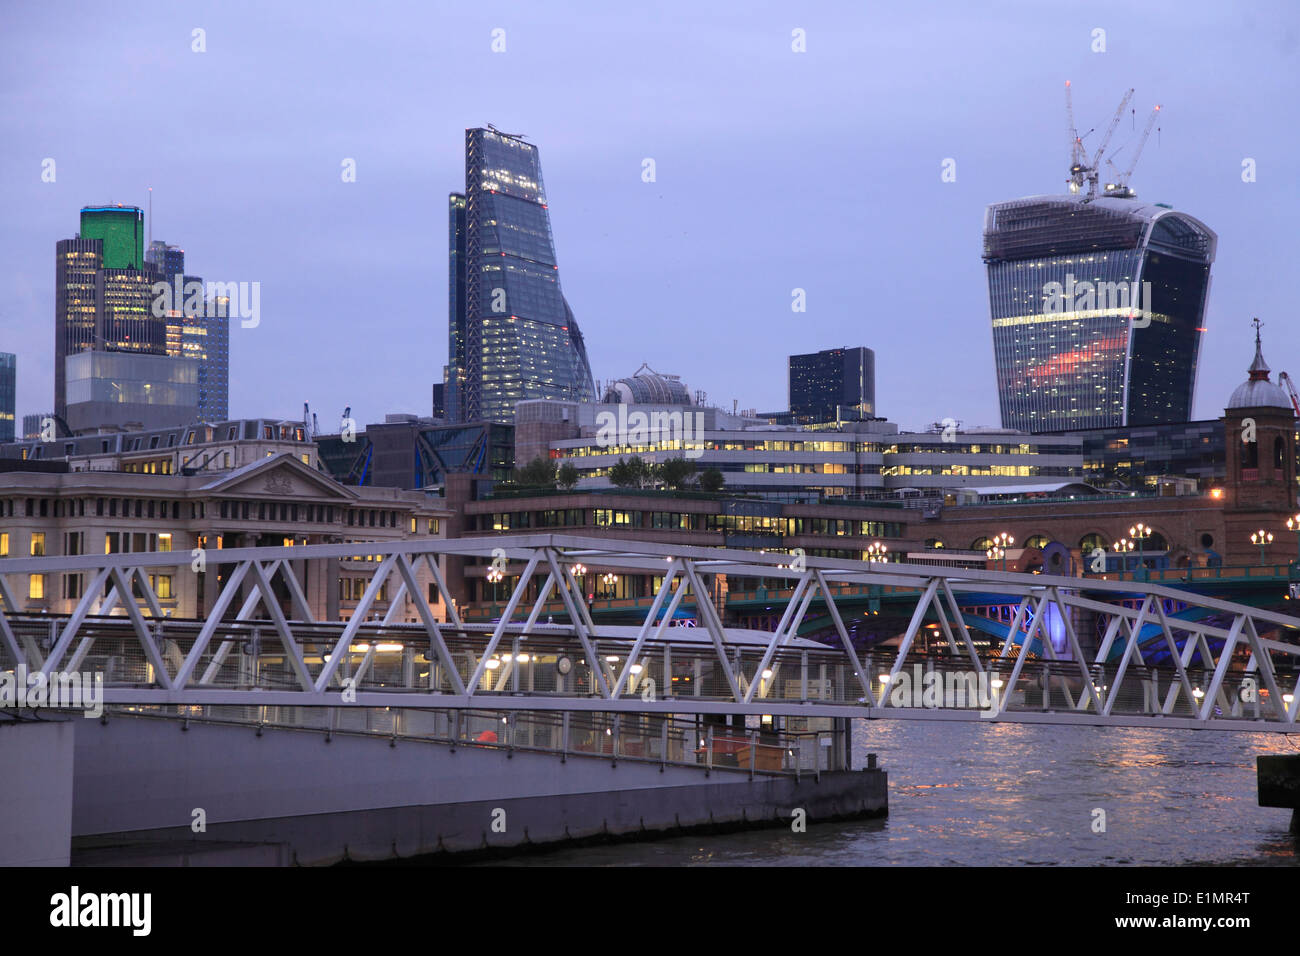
x: 1260, y: 484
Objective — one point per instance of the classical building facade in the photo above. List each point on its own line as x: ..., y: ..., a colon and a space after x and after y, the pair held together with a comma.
x: 275, y: 501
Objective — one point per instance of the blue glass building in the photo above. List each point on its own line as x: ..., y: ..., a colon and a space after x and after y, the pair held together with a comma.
x: 512, y: 335
x: 1076, y: 342
x: 8, y: 394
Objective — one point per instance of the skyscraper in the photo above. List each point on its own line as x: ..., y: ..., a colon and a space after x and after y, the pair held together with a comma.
x: 512, y: 335
x: 204, y: 337
x: 104, y: 304
x: 1097, y: 305
x: 8, y: 394
x: 833, y: 384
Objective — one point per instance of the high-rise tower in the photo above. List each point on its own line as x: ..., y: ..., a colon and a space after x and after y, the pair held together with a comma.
x: 512, y: 335
x: 1097, y: 300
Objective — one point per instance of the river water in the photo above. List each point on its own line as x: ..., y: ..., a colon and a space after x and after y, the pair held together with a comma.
x: 996, y: 794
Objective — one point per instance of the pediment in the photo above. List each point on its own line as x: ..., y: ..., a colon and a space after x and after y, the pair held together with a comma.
x: 281, y: 477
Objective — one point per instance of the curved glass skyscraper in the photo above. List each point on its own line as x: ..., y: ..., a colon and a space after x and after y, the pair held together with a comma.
x: 1098, y: 306
x: 512, y: 335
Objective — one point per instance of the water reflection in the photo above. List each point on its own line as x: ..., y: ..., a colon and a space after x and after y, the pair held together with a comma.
x: 965, y: 794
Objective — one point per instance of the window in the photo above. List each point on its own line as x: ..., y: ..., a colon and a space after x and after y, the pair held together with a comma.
x: 72, y: 586
x: 162, y: 586
x: 36, y: 587
x: 4, y: 544
x: 38, y: 544
x: 433, y: 526
x: 164, y: 542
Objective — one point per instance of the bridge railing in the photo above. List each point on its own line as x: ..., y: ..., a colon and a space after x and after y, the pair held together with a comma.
x: 260, y: 643
x: 666, y: 740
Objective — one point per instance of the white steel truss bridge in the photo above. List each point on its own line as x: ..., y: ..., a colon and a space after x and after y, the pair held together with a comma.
x: 1222, y: 665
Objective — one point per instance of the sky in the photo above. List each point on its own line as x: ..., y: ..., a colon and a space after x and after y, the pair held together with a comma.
x: 775, y: 170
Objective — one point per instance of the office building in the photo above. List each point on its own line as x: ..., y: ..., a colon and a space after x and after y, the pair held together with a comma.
x: 418, y: 453
x: 1097, y: 306
x: 129, y: 390
x: 833, y: 385
x: 8, y: 394
x: 512, y: 336
x: 203, y: 335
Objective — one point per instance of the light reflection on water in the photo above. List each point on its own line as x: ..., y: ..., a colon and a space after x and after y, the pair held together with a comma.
x: 968, y: 794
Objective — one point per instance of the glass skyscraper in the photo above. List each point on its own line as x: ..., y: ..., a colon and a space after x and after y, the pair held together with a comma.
x: 833, y: 384
x: 512, y: 335
x: 8, y: 394
x: 1097, y: 306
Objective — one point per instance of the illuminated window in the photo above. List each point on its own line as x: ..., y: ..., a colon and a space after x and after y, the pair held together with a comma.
x: 38, y: 544
x: 164, y: 542
x: 36, y: 587
x: 4, y: 544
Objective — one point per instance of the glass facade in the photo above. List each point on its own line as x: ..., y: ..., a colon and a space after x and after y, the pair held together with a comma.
x: 520, y: 338
x: 833, y: 384
x: 8, y: 394
x: 1067, y: 277
x: 121, y: 378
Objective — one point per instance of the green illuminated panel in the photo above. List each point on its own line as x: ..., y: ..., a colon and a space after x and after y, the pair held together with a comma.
x: 122, y: 230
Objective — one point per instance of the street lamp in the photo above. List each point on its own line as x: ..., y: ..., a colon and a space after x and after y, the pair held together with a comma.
x: 495, y: 575
x: 877, y: 552
x: 1293, y: 524
x: 1001, y: 541
x: 994, y: 552
x: 1263, y: 539
x: 1140, y: 532
x: 1122, y: 547
x: 609, y: 579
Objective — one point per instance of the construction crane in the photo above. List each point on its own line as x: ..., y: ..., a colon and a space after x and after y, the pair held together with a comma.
x: 1078, y: 167
x: 1285, y: 379
x: 1081, y: 168
x: 1120, y: 188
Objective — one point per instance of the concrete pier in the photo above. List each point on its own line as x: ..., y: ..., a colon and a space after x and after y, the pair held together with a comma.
x: 1279, y: 784
x: 294, y: 797
x: 36, y: 790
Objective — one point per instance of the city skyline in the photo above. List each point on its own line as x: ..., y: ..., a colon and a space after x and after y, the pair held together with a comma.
x: 668, y: 271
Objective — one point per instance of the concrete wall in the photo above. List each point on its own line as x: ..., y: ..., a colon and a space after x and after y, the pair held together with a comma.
x: 360, y: 798
x: 36, y: 791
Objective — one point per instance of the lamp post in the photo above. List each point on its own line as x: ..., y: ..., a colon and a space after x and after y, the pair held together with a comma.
x: 1122, y: 547
x: 994, y: 552
x: 1140, y: 532
x: 877, y: 552
x: 1293, y: 524
x: 609, y: 579
x: 1263, y: 539
x: 494, y: 576
x: 1001, y: 542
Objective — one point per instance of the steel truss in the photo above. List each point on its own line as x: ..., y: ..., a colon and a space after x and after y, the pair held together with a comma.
x: 1250, y: 683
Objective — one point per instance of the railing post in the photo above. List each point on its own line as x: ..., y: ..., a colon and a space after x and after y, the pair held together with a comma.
x: 663, y: 743
x: 753, y: 753
x: 564, y: 738
x: 803, y: 676
x: 618, y: 726
x: 668, y: 671
x: 708, y: 751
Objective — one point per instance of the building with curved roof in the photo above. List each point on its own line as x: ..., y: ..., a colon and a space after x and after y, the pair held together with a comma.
x: 645, y: 386
x: 1097, y: 307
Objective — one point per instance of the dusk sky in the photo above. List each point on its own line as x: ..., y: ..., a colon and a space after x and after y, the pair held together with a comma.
x: 775, y: 170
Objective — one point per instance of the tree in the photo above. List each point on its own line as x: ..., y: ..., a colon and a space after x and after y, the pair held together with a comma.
x: 538, y: 473
x: 567, y: 476
x: 633, y: 473
x: 677, y: 472
x: 711, y: 480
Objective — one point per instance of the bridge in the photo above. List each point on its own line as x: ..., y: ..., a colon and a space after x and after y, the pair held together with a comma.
x: 1220, y: 665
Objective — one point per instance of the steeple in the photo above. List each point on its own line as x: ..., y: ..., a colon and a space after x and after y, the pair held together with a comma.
x: 1259, y: 368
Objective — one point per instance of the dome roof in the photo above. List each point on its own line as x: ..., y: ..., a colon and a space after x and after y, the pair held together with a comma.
x: 647, y: 387
x: 1257, y: 391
